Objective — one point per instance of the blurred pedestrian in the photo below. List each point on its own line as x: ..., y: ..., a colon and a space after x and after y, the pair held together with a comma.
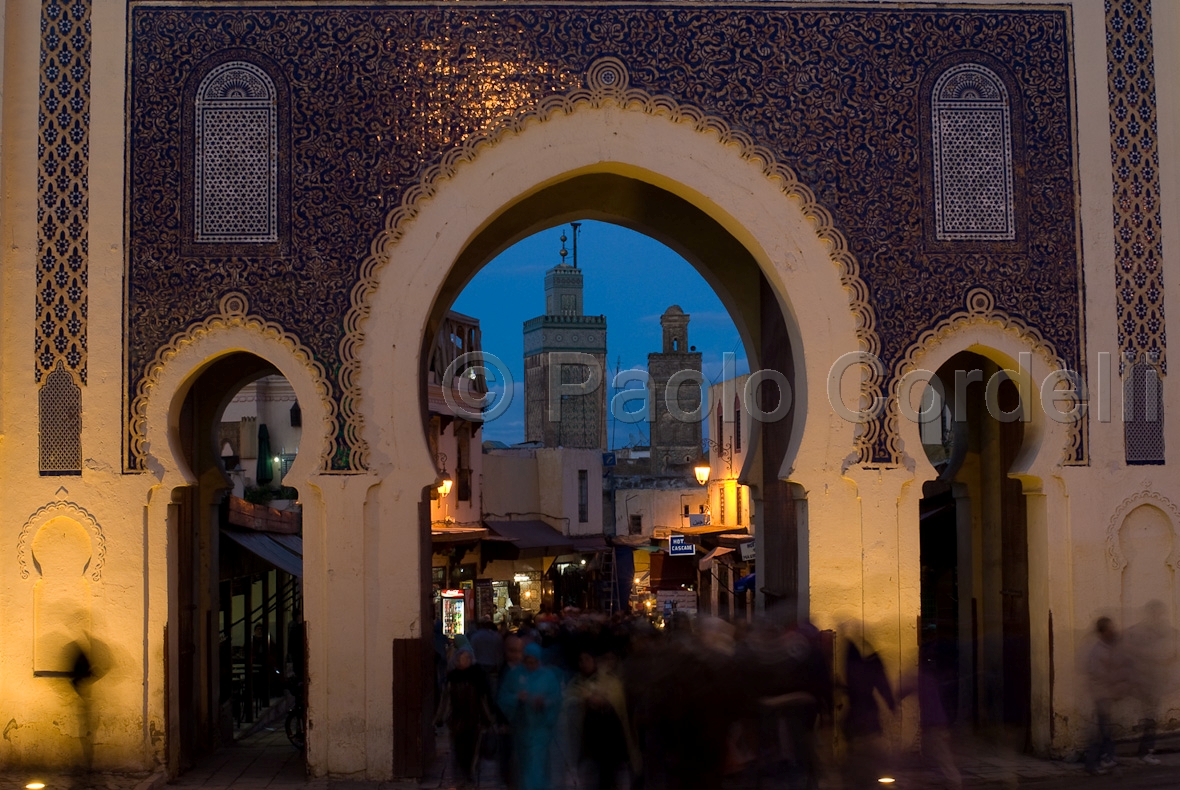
x: 601, y: 731
x: 865, y: 679
x: 489, y: 651
x: 1151, y: 649
x: 530, y: 698
x: 466, y: 709
x: 440, y: 660
x: 1107, y: 672
x: 809, y: 694
x: 936, y: 733
x: 513, y: 663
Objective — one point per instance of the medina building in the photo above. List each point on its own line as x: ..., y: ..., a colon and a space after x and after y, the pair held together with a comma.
x: 199, y: 195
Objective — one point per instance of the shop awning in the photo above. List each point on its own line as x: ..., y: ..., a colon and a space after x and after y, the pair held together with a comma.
x: 268, y: 549
x: 709, y: 529
x: 533, y: 538
x: 707, y: 561
x: 588, y: 543
x: 290, y: 542
x: 707, y: 536
x: 457, y: 534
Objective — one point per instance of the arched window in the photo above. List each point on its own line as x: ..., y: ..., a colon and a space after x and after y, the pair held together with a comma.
x: 60, y: 412
x: 236, y: 156
x: 737, y: 424
x: 974, y: 193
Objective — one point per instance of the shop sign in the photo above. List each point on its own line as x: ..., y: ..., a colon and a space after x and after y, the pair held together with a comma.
x: 746, y: 551
x: 678, y: 546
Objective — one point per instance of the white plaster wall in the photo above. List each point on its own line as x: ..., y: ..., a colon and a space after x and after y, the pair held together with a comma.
x: 510, y: 484
x: 660, y: 509
x: 557, y: 483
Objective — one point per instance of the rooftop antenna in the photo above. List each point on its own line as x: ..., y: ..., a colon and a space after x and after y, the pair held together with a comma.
x: 575, y: 226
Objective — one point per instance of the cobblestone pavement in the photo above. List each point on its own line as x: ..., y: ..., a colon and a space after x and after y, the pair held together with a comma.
x: 266, y: 761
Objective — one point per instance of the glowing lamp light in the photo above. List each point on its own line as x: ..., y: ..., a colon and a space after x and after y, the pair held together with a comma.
x: 886, y: 780
x: 443, y: 483
x: 702, y: 470
x: 35, y: 786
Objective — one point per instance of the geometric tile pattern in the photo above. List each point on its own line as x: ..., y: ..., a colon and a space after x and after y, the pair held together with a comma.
x: 1134, y: 156
x: 63, y: 208
x: 236, y: 162
x: 973, y: 195
x: 381, y: 94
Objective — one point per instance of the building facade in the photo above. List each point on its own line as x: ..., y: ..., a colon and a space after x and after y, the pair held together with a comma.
x: 199, y: 194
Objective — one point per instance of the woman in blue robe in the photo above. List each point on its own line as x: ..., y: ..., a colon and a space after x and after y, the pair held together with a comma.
x: 530, y: 698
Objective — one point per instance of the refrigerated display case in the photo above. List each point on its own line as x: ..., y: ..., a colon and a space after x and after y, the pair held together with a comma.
x: 454, y: 613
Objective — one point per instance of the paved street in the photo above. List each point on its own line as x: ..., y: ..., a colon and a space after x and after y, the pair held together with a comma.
x: 267, y: 761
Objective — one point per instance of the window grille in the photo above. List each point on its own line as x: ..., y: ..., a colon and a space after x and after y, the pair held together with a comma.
x: 974, y: 196
x: 1143, y: 415
x: 60, y: 416
x: 236, y: 157
x: 635, y: 525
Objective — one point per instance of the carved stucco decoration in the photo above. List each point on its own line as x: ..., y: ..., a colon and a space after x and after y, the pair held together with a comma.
x: 980, y: 308
x: 234, y: 311
x: 606, y: 85
x: 58, y: 509
x: 1146, y: 496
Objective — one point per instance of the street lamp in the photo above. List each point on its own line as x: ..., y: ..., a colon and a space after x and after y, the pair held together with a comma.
x: 442, y: 485
x: 703, y: 468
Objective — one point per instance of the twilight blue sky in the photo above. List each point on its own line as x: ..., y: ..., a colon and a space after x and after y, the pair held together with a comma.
x: 630, y: 278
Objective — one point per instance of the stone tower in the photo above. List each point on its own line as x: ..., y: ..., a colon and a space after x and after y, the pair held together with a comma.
x: 547, y: 339
x: 675, y: 443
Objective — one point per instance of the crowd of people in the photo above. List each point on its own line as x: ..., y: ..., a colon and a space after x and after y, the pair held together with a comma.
x: 627, y: 705
x: 624, y: 704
